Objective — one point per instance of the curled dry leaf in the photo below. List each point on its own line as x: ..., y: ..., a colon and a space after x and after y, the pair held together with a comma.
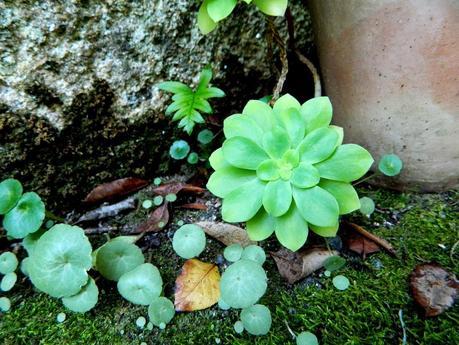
x: 294, y: 266
x: 156, y: 221
x: 364, y: 242
x: 197, y: 287
x: 195, y: 206
x: 112, y: 190
x: 433, y: 288
x: 175, y: 187
x: 226, y: 233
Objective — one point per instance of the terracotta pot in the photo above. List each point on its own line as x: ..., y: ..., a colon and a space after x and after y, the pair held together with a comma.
x: 391, y: 69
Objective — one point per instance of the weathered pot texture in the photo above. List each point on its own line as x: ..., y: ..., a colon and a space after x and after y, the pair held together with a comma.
x: 391, y: 69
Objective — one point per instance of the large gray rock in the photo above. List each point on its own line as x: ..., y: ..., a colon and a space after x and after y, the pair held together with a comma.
x: 78, y: 101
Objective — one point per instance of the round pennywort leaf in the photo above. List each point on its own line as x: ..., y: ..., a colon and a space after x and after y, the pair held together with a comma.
x: 306, y: 338
x: 390, y: 165
x: 60, y: 261
x: 254, y: 253
x: 179, y: 149
x: 189, y: 241
x: 243, y: 284
x: 116, y: 258
x: 8, y: 262
x: 26, y: 217
x: 10, y: 193
x: 341, y: 282
x: 5, y: 304
x: 238, y: 327
x: 192, y: 158
x: 233, y: 252
x: 141, y: 285
x: 367, y: 206
x: 256, y: 319
x: 161, y: 311
x: 8, y: 281
x: 84, y: 300
x: 205, y: 136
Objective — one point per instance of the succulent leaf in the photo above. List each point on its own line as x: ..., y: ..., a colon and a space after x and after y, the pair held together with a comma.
x: 284, y: 170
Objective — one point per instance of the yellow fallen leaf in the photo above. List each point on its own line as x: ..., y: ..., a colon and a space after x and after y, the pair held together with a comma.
x: 197, y: 287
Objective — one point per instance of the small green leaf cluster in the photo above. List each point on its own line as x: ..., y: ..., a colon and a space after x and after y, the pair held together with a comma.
x: 284, y: 170
x: 23, y: 214
x: 180, y: 149
x: 242, y: 284
x: 188, y: 103
x: 333, y: 264
x: 213, y: 11
x: 8, y: 266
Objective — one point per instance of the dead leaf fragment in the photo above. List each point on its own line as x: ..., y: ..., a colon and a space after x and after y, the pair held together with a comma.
x: 175, y: 187
x: 195, y: 206
x: 361, y: 245
x: 226, y: 233
x: 156, y: 221
x: 294, y: 266
x: 433, y: 288
x: 197, y: 287
x: 111, y: 190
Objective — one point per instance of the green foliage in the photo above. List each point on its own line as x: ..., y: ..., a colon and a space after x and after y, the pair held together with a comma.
x: 8, y: 262
x: 256, y: 319
x: 213, y: 11
x: 254, y: 253
x: 188, y: 103
x: 238, y: 327
x: 390, y: 165
x: 141, y: 285
x: 334, y: 263
x: 60, y: 261
x: 189, y: 241
x: 10, y: 192
x: 118, y: 257
x: 8, y: 281
x: 171, y: 197
x: 192, y: 158
x: 25, y: 217
x: 341, y: 282
x: 179, y: 149
x: 284, y: 170
x: 161, y: 311
x: 243, y: 284
x: 306, y: 338
x: 205, y: 136
x: 158, y: 200
x: 367, y: 206
x: 233, y: 252
x: 5, y: 304
x: 147, y: 204
x: 84, y: 300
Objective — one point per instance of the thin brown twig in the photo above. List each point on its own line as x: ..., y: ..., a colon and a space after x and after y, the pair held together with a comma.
x: 274, y: 34
x: 378, y: 240
x: 315, y: 74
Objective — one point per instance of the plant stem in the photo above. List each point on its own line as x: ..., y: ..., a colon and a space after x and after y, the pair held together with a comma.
x: 52, y: 216
x: 366, y: 178
x: 315, y: 74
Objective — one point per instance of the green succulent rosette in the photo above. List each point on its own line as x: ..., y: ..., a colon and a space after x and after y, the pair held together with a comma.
x: 285, y: 170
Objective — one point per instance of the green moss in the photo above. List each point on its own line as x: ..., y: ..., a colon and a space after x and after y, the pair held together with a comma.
x: 366, y: 313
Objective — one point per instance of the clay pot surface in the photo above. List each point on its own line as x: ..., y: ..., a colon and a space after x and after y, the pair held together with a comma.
x: 391, y: 70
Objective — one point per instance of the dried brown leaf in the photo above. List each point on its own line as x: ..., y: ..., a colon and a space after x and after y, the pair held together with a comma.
x: 112, y: 190
x: 226, y: 233
x: 361, y: 245
x: 197, y: 287
x: 294, y: 266
x: 176, y: 187
x: 433, y: 288
x: 160, y: 216
x: 195, y: 206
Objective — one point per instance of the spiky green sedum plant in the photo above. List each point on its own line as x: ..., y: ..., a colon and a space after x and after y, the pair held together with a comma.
x: 213, y: 11
x: 285, y: 170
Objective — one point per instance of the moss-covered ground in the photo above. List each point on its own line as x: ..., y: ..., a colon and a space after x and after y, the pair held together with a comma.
x: 422, y: 227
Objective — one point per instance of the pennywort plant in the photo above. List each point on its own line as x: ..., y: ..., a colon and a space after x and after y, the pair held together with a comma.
x: 189, y: 103
x: 213, y: 11
x: 284, y: 170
